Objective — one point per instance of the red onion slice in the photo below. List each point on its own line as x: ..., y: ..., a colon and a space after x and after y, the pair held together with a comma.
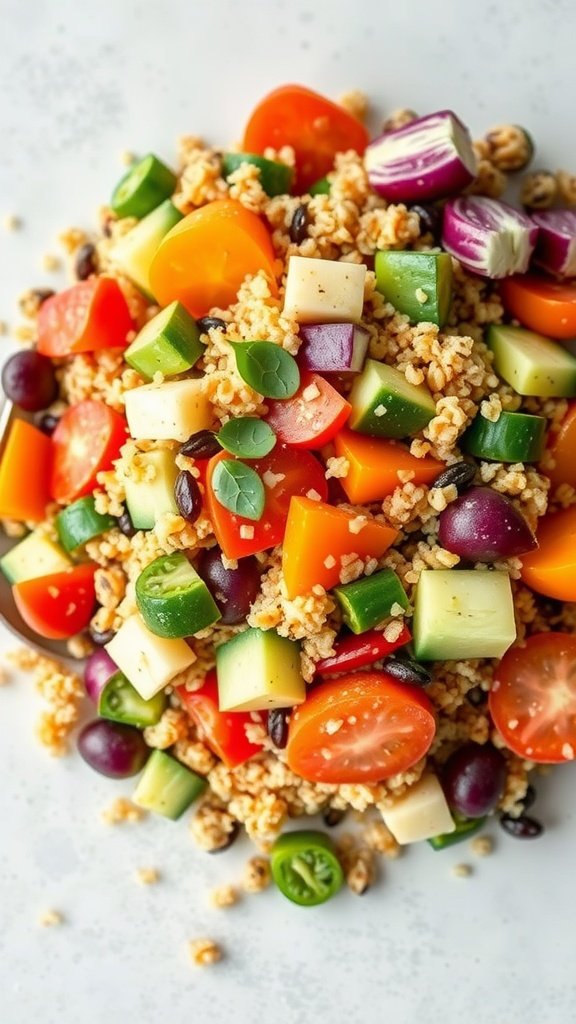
x: 333, y: 348
x: 556, y: 248
x: 430, y: 158
x: 487, y: 236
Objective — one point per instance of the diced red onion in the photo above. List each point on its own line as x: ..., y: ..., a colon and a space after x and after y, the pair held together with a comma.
x: 97, y: 672
x: 556, y: 248
x: 487, y: 236
x: 333, y: 348
x: 430, y: 158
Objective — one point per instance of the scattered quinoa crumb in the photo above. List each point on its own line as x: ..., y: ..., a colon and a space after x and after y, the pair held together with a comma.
x: 11, y: 222
x: 246, y: 531
x: 122, y: 811
x: 3, y: 327
x: 421, y: 295
x: 51, y: 919
x: 147, y: 876
x: 224, y: 896
x: 127, y: 157
x: 313, y: 494
x: 462, y: 870
x: 337, y: 467
x: 50, y: 262
x: 482, y: 846
x: 204, y: 952
x: 256, y: 875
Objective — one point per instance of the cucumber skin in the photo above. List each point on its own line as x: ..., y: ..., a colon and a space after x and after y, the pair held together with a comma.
x: 179, y: 614
x: 465, y: 828
x: 153, y: 189
x: 275, y: 178
x: 141, y: 494
x: 15, y: 572
x: 367, y: 601
x: 161, y: 774
x: 80, y: 522
x: 404, y: 416
x: 514, y: 437
x: 400, y: 274
x: 543, y: 381
x: 144, y: 712
x: 173, y: 350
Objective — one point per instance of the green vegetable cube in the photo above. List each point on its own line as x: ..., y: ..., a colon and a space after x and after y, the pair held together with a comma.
x: 463, y: 613
x: 259, y: 670
x: 418, y: 284
x: 384, y: 404
x: 167, y: 344
x: 370, y: 600
x: 531, y: 363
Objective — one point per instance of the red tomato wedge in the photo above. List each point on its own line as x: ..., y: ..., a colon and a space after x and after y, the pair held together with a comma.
x: 533, y: 698
x: 60, y: 605
x: 86, y: 441
x: 315, y: 127
x: 285, y: 472
x: 312, y: 416
x: 91, y: 315
x: 362, y: 727
x: 224, y: 731
x: 541, y: 303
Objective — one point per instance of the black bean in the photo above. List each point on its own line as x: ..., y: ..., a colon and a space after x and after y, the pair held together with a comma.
x: 332, y: 816
x: 206, y: 323
x: 430, y: 219
x: 522, y: 827
x: 48, y: 423
x: 407, y: 671
x: 201, y: 445
x: 277, y: 726
x: 461, y: 475
x: 101, y: 638
x: 477, y: 696
x: 530, y: 797
x: 41, y: 294
x: 188, y: 496
x: 86, y: 261
x: 299, y: 226
x: 230, y: 838
x: 126, y: 525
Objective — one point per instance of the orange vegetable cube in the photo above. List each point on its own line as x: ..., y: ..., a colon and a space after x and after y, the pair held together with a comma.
x: 25, y: 473
x: 551, y: 568
x: 375, y: 463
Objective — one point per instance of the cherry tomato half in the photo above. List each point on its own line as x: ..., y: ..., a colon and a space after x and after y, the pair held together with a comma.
x: 362, y: 727
x: 312, y: 417
x: 224, y: 731
x: 91, y: 315
x: 60, y: 605
x: 87, y: 440
x: 533, y: 698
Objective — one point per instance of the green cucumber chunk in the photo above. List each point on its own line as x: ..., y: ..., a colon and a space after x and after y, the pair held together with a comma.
x: 384, y: 404
x: 167, y: 344
x: 167, y: 787
x: 258, y: 670
x: 462, y: 613
x: 465, y: 828
x: 120, y: 702
x: 147, y: 184
x: 32, y: 557
x: 418, y: 284
x: 151, y: 494
x: 80, y: 522
x: 172, y: 599
x: 134, y: 252
x: 369, y: 600
x: 531, y: 363
x: 275, y: 178
x: 320, y: 188
x: 514, y: 437
x: 305, y: 867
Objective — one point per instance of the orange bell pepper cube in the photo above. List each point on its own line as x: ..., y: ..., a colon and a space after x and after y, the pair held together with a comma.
x: 91, y: 315
x: 562, y: 447
x: 551, y: 568
x: 319, y: 536
x: 25, y: 473
x: 375, y: 463
x: 541, y: 303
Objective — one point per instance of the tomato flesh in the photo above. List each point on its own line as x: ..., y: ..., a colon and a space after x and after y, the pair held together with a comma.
x: 224, y: 731
x: 91, y: 315
x: 60, y: 605
x: 533, y: 698
x: 363, y: 727
x: 87, y: 440
x: 312, y: 417
x: 541, y: 303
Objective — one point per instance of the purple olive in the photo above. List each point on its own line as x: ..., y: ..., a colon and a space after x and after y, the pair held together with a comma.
x: 233, y: 590
x: 28, y: 379
x: 97, y: 672
x: 115, y: 750
x: 473, y: 779
x: 483, y: 526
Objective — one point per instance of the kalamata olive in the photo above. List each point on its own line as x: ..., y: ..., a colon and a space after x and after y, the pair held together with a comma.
x: 430, y: 217
x: 473, y: 779
x: 523, y: 827
x: 86, y: 261
x: 529, y: 797
x: 233, y: 590
x: 405, y: 670
x: 460, y: 475
x: 299, y: 224
x: 97, y: 672
x: 28, y: 380
x: 477, y: 696
x: 332, y: 816
x: 100, y: 638
x: 188, y: 496
x: 277, y: 726
x: 483, y: 526
x: 112, y: 749
x: 48, y: 423
x: 207, y: 323
x: 201, y: 445
x: 126, y: 525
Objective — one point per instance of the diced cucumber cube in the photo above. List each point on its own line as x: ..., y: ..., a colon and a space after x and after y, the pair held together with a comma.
x: 148, y: 661
x: 171, y: 411
x: 324, y: 291
x: 167, y: 344
x: 513, y: 437
x: 370, y: 600
x: 32, y: 557
x: 462, y: 613
x: 418, y: 284
x: 144, y: 186
x: 275, y: 177
x: 531, y: 363
x: 384, y: 404
x: 172, y: 598
x: 259, y: 670
x: 134, y: 252
x: 151, y: 494
x: 167, y: 786
x: 80, y: 522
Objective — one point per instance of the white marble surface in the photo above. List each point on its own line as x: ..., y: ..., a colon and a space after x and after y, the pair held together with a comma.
x: 78, y: 84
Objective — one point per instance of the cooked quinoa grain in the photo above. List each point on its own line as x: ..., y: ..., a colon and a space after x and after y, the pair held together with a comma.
x: 256, y: 875
x: 204, y: 952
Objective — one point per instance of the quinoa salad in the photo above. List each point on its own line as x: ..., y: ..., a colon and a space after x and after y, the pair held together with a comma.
x: 300, y: 490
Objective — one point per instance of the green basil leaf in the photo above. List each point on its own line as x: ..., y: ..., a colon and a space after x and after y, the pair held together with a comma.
x: 247, y: 437
x: 239, y: 489
x: 267, y: 368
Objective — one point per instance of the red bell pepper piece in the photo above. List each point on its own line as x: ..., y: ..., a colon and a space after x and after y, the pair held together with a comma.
x: 354, y: 652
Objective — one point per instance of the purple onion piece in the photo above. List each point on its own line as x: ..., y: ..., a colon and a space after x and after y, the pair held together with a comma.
x: 430, y: 158
x: 487, y: 236
x: 333, y: 348
x: 556, y: 247
x: 97, y: 672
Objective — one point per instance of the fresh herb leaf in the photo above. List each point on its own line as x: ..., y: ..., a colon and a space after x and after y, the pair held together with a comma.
x: 267, y: 368
x: 239, y: 489
x: 248, y: 437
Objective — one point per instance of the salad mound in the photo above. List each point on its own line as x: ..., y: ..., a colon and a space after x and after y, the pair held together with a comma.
x: 291, y: 466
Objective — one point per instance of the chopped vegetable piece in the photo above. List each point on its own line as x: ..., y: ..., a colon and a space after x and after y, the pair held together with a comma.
x: 224, y: 732
x: 465, y: 829
x: 333, y: 348
x: 531, y: 363
x: 86, y: 441
x: 24, y: 496
x: 551, y: 569
x: 147, y: 184
x: 115, y: 750
x: 134, y: 252
x: 151, y: 495
x: 313, y: 415
x: 316, y: 128
x: 98, y: 670
x: 204, y: 259
x: 147, y: 660
x: 418, y: 284
x: 275, y: 178
x: 513, y: 437
x: 327, y: 291
x: 172, y: 599
x: 556, y: 248
x: 239, y: 489
x: 429, y: 158
x: 119, y: 701
x: 169, y: 411
x: 487, y: 236
x: 320, y: 188
x: 483, y: 525
x: 320, y: 540
x: 352, y: 652
x: 80, y: 522
x: 167, y: 787
x: 562, y: 447
x: 532, y: 700
x: 167, y: 344
x: 377, y: 466
x: 473, y: 779
x: 91, y: 315
x: 59, y: 605
x: 542, y: 304
x: 384, y: 404
x: 305, y: 867
x: 267, y: 368
x: 420, y: 813
x: 29, y: 380
x: 370, y: 600
x: 258, y: 670
x: 462, y: 613
x: 363, y: 728
x: 36, y: 555
x: 234, y: 589
x: 247, y: 437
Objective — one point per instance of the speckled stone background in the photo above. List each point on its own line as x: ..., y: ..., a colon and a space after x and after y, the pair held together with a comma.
x: 78, y: 84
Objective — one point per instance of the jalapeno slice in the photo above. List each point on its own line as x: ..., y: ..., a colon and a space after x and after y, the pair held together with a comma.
x: 172, y: 599
x: 120, y: 702
x: 305, y: 867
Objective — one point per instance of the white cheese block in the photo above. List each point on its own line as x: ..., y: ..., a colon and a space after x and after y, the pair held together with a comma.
x: 421, y: 813
x: 324, y: 291
x: 170, y: 411
x: 148, y: 661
